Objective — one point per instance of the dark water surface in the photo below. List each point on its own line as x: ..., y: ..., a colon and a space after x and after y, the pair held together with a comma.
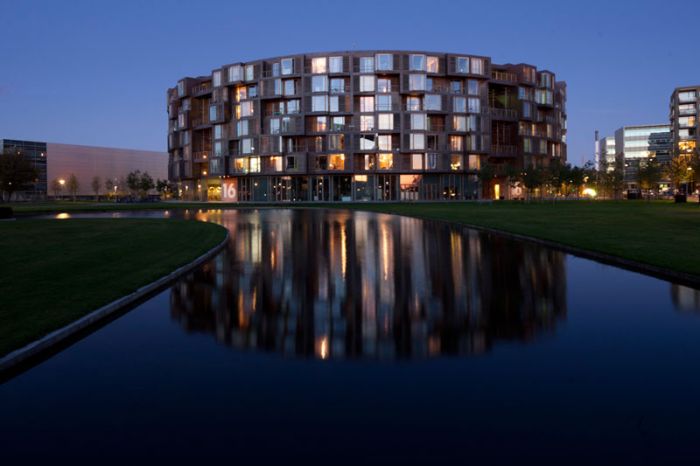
x: 344, y: 337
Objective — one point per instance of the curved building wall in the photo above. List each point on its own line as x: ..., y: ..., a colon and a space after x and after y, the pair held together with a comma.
x: 361, y: 125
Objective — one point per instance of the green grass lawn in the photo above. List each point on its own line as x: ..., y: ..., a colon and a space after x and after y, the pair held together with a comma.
x: 54, y: 272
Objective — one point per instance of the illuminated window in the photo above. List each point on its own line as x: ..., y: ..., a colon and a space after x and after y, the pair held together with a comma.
x: 384, y: 142
x: 246, y: 109
x: 367, y: 83
x: 459, y: 123
x: 368, y: 142
x: 456, y: 143
x: 321, y: 123
x: 455, y: 162
x: 474, y: 162
x: 413, y: 104
x: 386, y: 121
x: 417, y: 161
x: 477, y: 66
x: 432, y: 65
x: 366, y: 122
x: 336, y: 162
x: 367, y: 104
x: 319, y: 65
x: 249, y: 73
x: 385, y: 161
x: 369, y: 161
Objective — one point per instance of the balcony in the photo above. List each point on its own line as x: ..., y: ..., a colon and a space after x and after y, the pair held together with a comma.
x: 504, y: 77
x: 201, y: 156
x: 503, y: 150
x: 201, y: 89
x: 507, y: 114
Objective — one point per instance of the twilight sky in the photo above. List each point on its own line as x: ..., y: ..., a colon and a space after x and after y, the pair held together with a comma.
x: 95, y: 72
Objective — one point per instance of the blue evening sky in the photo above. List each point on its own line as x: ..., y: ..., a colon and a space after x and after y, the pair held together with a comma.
x: 95, y: 72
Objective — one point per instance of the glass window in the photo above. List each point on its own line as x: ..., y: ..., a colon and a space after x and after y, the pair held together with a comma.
x: 242, y: 128
x: 477, y: 66
x: 474, y: 105
x: 321, y: 123
x: 367, y: 83
x: 527, y: 110
x: 274, y: 126
x: 385, y: 161
x: 366, y: 122
x: 336, y: 162
x: 459, y: 123
x: 289, y: 87
x: 319, y: 103
x: 432, y: 65
x: 252, y: 91
x: 417, y: 161
x: 235, y: 73
x: 367, y: 104
x: 275, y: 69
x: 319, y: 84
x: 278, y: 87
x: 368, y: 142
x: 218, y: 131
x: 338, y: 123
x: 384, y: 142
x: 213, y: 113
x: 473, y: 123
x: 319, y: 65
x: 527, y: 145
x: 249, y: 72
x: 416, y: 82
x: 456, y: 161
x: 366, y: 64
x: 473, y: 87
x: 459, y: 104
x: 416, y: 62
x: 462, y: 65
x: 418, y: 121
x: 384, y: 61
x: 543, y: 146
x: 431, y: 161
x: 338, y: 85
x: 246, y: 109
x: 334, y: 103
x: 216, y: 78
x: 383, y: 85
x: 386, y: 121
x: 417, y: 141
x: 686, y: 96
x: 456, y: 143
x: 293, y: 106
x: 413, y: 104
x: 246, y: 146
x: 384, y: 102
x: 180, y: 88
x: 433, y: 102
x: 336, y: 64
x: 287, y: 66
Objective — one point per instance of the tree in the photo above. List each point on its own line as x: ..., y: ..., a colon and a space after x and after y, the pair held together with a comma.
x: 146, y: 184
x: 512, y: 175
x: 109, y: 186
x: 163, y: 187
x: 16, y: 173
x: 650, y: 174
x: 96, y: 187
x: 133, y: 182
x: 73, y: 185
x: 486, y: 174
x: 56, y: 187
x: 678, y: 171
x: 532, y: 179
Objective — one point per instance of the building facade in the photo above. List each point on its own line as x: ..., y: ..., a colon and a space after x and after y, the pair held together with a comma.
x: 605, y: 154
x: 685, y: 128
x: 35, y: 152
x: 60, y: 161
x: 374, y: 125
x: 635, y: 145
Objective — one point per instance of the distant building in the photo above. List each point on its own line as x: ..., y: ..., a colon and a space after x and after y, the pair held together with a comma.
x: 605, y: 154
x: 36, y: 153
x: 685, y: 128
x: 59, y: 161
x: 637, y: 144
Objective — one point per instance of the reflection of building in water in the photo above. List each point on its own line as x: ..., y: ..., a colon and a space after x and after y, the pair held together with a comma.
x: 342, y: 284
x: 685, y: 299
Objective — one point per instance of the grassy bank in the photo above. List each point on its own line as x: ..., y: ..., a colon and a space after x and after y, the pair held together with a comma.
x: 660, y: 233
x: 54, y: 272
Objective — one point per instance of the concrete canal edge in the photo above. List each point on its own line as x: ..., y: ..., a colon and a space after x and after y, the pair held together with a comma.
x: 60, y: 337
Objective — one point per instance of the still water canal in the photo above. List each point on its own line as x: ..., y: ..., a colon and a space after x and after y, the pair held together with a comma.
x: 348, y: 335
